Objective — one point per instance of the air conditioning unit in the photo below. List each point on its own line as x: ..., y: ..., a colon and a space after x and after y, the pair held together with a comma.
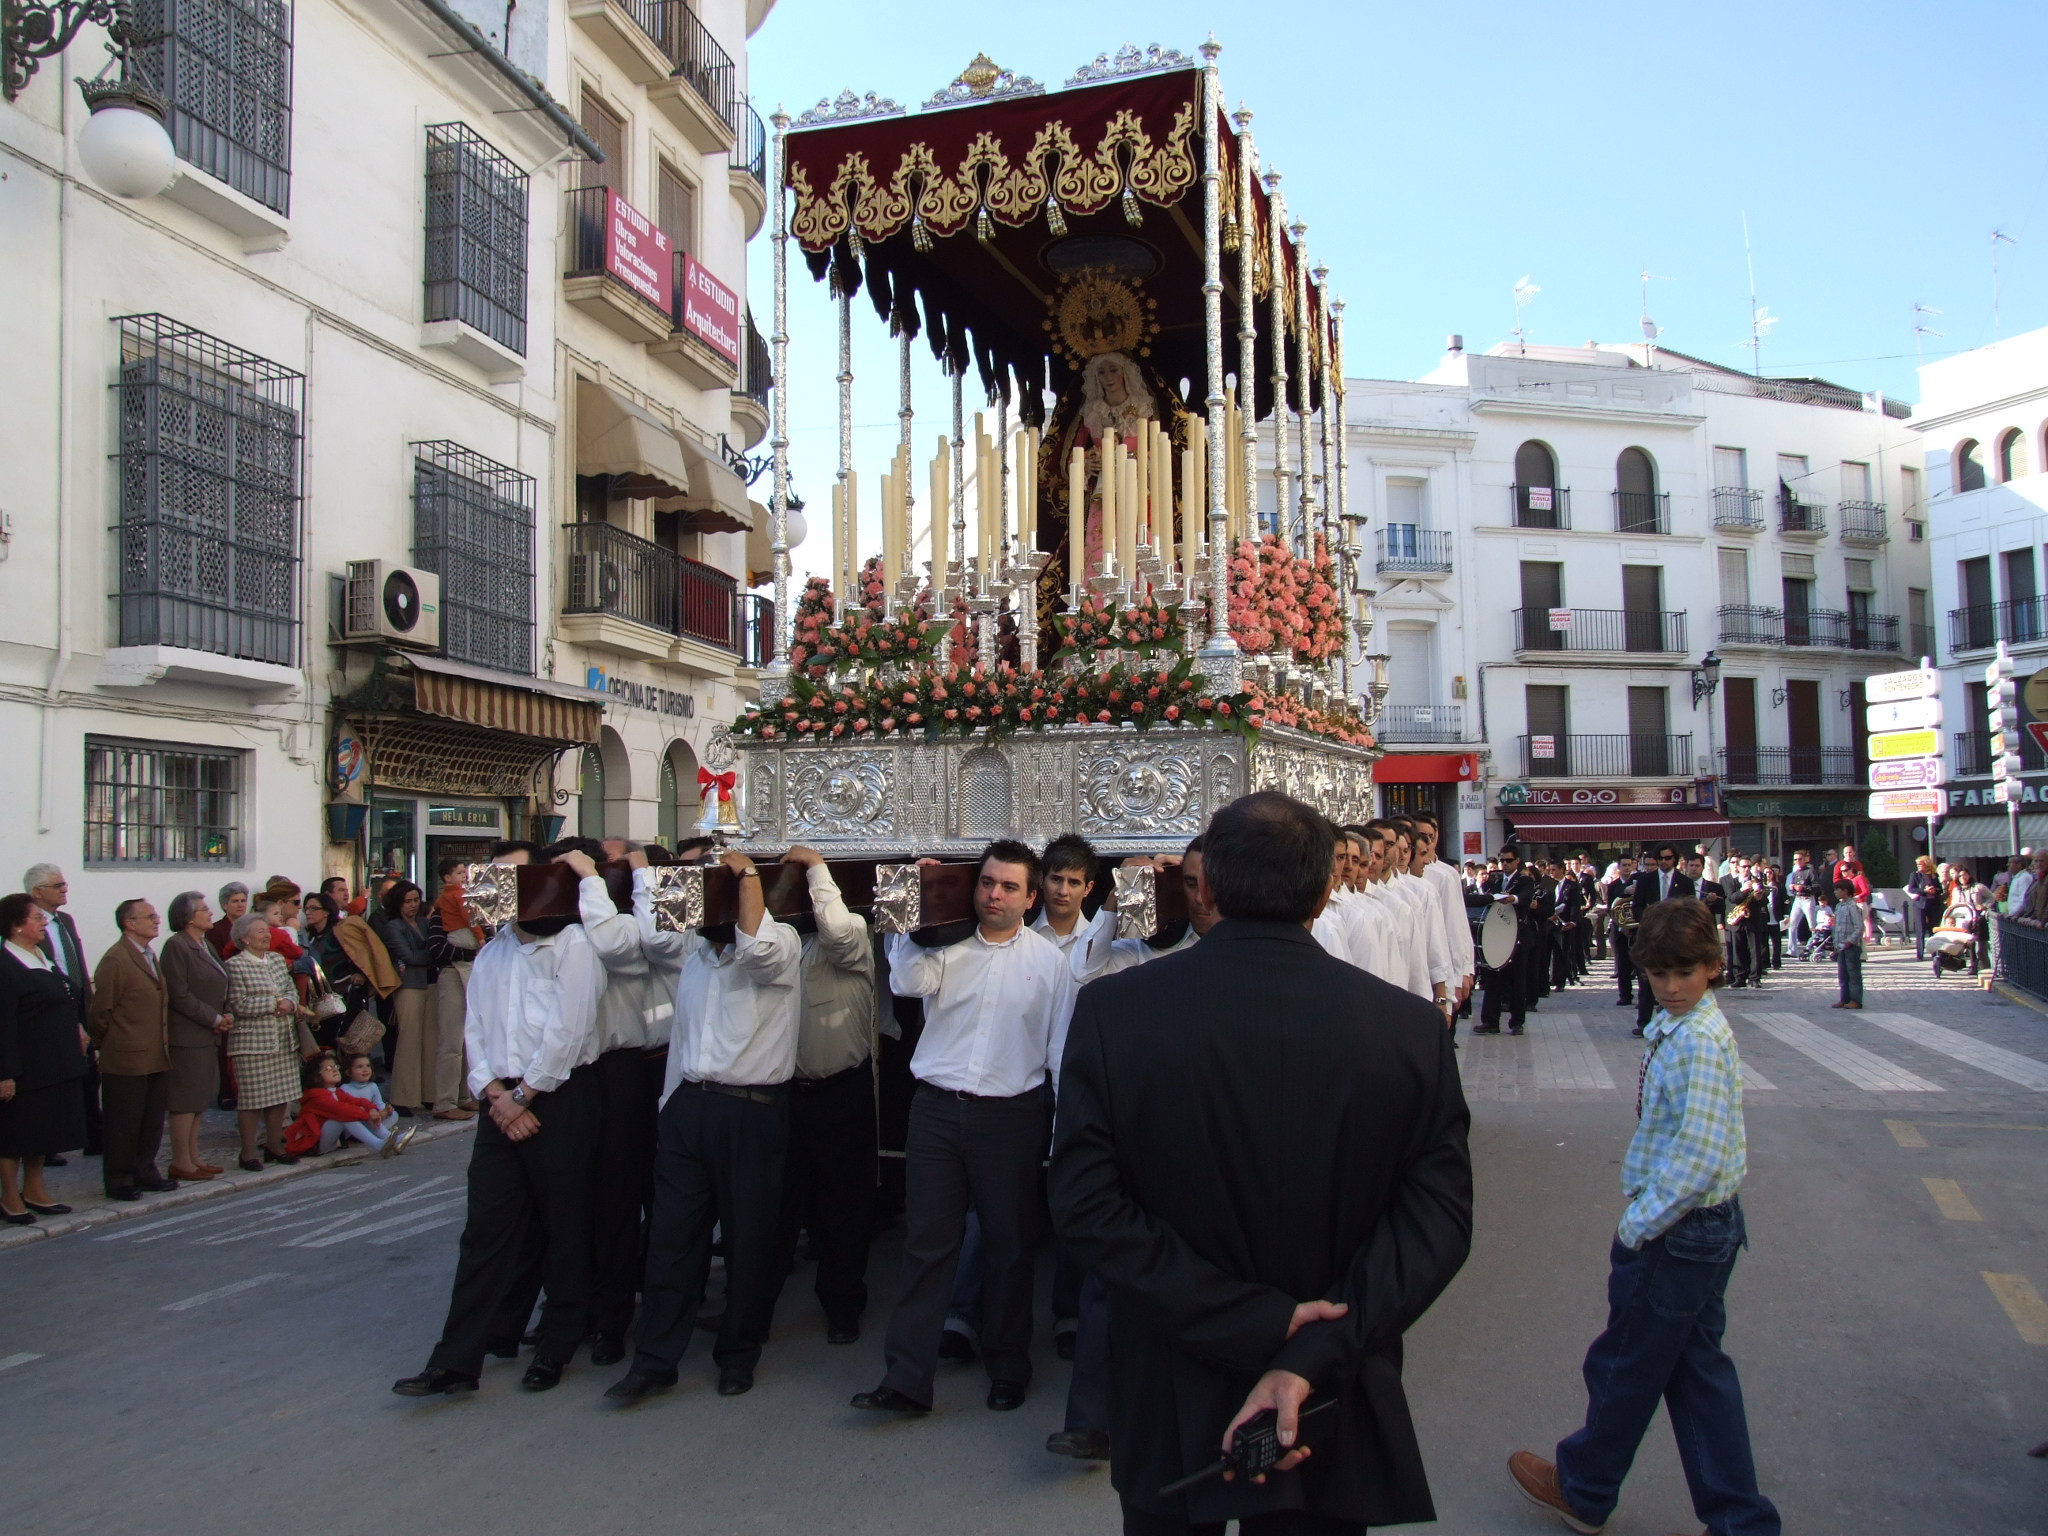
x: 393, y: 604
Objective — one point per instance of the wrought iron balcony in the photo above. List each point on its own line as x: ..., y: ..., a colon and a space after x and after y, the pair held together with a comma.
x: 1863, y: 522
x: 1529, y: 513
x: 1971, y: 758
x: 2017, y: 621
x: 757, y: 630
x: 613, y: 572
x: 1636, y: 755
x: 1422, y: 722
x: 1642, y: 511
x: 757, y: 368
x: 750, y: 143
x: 1781, y: 766
x: 1822, y: 628
x: 1807, y: 519
x: 1735, y: 507
x: 1601, y: 629
x: 1411, y: 548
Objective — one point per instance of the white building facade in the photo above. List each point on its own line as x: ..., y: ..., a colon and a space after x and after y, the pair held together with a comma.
x: 1628, y: 596
x: 1984, y: 419
x: 288, y: 585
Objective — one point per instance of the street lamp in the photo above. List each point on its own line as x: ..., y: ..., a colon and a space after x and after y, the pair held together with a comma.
x: 123, y: 145
x: 1377, y: 689
x: 1706, y: 678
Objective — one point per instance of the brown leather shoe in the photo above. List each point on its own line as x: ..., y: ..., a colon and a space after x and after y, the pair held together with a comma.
x: 1537, y: 1479
x: 455, y: 1114
x: 196, y: 1175
x: 211, y: 1170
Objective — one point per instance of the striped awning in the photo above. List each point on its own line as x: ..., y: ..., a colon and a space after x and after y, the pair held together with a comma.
x: 1987, y: 837
x: 538, y: 708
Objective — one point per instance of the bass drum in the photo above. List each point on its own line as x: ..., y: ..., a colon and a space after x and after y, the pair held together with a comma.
x: 1498, y: 935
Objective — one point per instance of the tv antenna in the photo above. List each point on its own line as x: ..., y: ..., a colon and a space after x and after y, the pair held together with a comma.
x: 1760, y: 317
x: 1524, y: 292
x: 1920, y: 330
x: 1651, y: 329
x: 1998, y: 237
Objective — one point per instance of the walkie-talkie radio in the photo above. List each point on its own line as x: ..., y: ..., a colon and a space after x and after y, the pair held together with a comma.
x: 1254, y: 1450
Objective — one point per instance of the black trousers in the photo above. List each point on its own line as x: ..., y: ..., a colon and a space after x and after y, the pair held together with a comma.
x: 133, y: 1128
x: 1504, y: 988
x: 1752, y: 952
x: 829, y: 1187
x: 528, y: 1200
x: 625, y: 1161
x: 1088, y: 1387
x: 1624, y: 968
x: 95, y: 1121
x: 719, y: 1163
x: 984, y: 1152
x: 1284, y: 1522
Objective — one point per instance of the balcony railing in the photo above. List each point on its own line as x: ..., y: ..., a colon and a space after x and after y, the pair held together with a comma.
x: 750, y: 143
x: 1642, y: 756
x: 1735, y: 507
x: 757, y: 630
x: 1796, y: 516
x: 1972, y: 756
x: 1410, y: 547
x: 585, y: 253
x: 1920, y: 640
x: 1422, y: 722
x: 1529, y: 511
x: 1862, y: 522
x: 1777, y: 766
x: 757, y: 366
x: 1826, y: 628
x: 1600, y: 629
x: 2017, y: 621
x: 613, y: 572
x: 699, y: 61
x: 1642, y: 511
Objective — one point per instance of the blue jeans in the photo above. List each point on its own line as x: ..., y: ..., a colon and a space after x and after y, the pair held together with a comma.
x: 1849, y: 972
x: 1665, y: 1317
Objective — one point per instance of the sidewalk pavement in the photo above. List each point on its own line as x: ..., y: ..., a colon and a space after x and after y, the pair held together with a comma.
x: 78, y: 1184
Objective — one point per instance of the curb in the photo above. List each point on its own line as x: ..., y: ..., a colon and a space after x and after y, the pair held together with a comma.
x: 2013, y: 994
x: 105, y: 1213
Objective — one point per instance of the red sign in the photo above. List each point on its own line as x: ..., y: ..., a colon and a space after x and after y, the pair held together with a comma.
x: 2038, y: 729
x: 711, y: 311
x: 637, y: 253
x: 1473, y: 845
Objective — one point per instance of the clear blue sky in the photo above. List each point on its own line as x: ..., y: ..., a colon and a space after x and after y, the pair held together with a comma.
x: 1439, y: 153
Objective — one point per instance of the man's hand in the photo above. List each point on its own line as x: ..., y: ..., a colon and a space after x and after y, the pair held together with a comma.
x: 527, y: 1124
x: 636, y: 858
x: 503, y: 1110
x: 928, y: 863
x: 1317, y: 1311
x: 1283, y: 1392
x: 810, y: 858
x: 584, y: 865
x: 6, y: 1089
x: 735, y: 861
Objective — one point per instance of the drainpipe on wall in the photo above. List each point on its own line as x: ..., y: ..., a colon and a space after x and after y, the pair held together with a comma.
x: 60, y: 663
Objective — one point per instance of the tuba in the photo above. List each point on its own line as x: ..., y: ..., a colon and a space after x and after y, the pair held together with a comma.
x: 1622, y: 912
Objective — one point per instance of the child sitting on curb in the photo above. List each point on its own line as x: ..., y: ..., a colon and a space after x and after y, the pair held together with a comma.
x: 326, y: 1113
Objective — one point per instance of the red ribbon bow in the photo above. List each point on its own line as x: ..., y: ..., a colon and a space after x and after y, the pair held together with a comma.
x: 723, y: 782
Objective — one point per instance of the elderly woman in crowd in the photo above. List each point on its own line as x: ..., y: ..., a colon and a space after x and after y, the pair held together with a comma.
x: 196, y: 987
x: 234, y: 906
x: 42, y: 1057
x: 412, y: 1008
x: 264, y: 1042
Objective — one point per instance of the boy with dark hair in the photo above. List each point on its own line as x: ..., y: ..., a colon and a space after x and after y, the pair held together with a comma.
x: 1672, y: 1256
x: 1850, y: 917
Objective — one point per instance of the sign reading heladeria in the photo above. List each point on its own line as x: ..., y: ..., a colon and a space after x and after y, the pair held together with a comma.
x: 711, y: 311
x: 637, y: 253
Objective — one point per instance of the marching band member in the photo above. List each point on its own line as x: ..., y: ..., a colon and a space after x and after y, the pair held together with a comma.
x: 1509, y: 986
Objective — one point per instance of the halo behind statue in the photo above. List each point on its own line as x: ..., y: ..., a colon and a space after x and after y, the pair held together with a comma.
x: 1094, y: 311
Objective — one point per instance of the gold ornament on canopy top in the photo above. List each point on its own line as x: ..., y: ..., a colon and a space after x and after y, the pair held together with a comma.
x: 1096, y: 312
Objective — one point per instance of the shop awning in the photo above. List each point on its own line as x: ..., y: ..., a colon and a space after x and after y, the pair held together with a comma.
x: 618, y: 438
x: 1987, y: 837
x: 538, y: 708
x: 1426, y: 768
x: 717, y: 498
x: 1617, y: 824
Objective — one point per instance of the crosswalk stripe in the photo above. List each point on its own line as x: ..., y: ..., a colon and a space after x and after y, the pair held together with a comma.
x: 328, y: 1240
x: 1852, y: 1063
x: 222, y: 1292
x: 1971, y: 1052
x: 9, y: 1362
x: 1563, y: 1055
x: 425, y: 1226
x: 1754, y: 1081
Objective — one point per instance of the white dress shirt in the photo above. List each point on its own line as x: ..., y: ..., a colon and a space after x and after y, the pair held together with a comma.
x: 737, y: 1010
x: 838, y: 1015
x: 1418, y: 894
x: 1443, y: 883
x: 991, y: 1011
x: 1404, y: 942
x: 532, y: 1008
x: 626, y: 1017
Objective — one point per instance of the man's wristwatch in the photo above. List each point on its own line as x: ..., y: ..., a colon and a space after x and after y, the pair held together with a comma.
x: 520, y: 1096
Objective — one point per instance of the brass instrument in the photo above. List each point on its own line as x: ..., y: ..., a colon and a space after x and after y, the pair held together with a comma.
x: 1621, y: 912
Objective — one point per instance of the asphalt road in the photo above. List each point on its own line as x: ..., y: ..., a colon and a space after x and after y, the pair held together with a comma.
x: 224, y: 1367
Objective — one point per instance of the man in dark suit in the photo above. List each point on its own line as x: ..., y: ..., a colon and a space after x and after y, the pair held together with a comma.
x: 1664, y: 879
x: 1511, y: 984
x: 1246, y: 1269
x: 48, y: 889
x: 1623, y: 883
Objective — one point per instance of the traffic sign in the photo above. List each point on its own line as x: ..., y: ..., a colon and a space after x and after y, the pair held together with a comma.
x: 2039, y: 731
x: 1909, y: 773
x: 1886, y: 745
x: 1905, y: 715
x: 1913, y: 683
x: 2034, y: 694
x: 1908, y: 804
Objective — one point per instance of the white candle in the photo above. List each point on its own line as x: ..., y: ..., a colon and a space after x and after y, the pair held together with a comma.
x: 941, y: 515
x: 1077, y: 519
x: 839, y: 546
x: 1107, y: 475
x: 855, y: 596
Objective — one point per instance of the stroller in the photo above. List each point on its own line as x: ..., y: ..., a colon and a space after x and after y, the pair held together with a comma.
x: 1820, y: 944
x: 1958, y: 941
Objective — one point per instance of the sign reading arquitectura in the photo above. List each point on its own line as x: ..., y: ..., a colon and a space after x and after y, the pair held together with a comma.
x: 648, y: 696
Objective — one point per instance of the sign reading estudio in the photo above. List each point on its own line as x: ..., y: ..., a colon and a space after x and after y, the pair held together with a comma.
x: 635, y: 252
x: 648, y: 696
x: 711, y: 311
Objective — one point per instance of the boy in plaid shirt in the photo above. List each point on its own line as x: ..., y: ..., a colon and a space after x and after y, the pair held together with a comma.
x: 1673, y: 1253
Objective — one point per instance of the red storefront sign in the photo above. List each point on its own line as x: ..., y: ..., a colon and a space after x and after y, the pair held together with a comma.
x: 711, y: 311
x: 637, y: 253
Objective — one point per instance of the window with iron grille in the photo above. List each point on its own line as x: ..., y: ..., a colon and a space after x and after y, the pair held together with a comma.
x: 152, y: 802
x: 473, y: 527
x: 225, y: 66
x: 210, y: 460
x: 476, y: 235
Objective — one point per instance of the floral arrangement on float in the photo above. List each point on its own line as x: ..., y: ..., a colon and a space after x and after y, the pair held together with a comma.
x: 1285, y: 604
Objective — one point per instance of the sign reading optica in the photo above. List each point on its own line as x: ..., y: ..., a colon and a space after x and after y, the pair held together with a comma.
x: 1913, y: 683
x: 1909, y: 773
x: 1889, y: 744
x: 1907, y: 804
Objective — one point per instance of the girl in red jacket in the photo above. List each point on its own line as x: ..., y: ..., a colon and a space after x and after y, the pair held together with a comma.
x: 326, y: 1113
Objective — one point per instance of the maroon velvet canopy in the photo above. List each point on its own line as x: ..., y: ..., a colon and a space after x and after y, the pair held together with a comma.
x: 964, y: 221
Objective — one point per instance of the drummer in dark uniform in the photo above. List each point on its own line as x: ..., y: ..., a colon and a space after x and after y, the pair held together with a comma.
x: 1508, y: 986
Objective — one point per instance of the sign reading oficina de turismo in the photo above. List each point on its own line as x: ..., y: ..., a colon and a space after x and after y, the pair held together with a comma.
x: 1906, y: 763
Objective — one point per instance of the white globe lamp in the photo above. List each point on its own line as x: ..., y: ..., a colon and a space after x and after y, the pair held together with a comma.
x: 794, y: 529
x: 123, y: 146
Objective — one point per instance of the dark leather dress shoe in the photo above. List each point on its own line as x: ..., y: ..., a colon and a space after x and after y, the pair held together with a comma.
x: 287, y: 1158
x: 48, y: 1210
x: 56, y: 1160
x: 126, y: 1192
x: 1006, y: 1395
x: 634, y: 1385
x: 1081, y: 1444
x: 954, y: 1345
x: 842, y: 1330
x: 434, y: 1382
x: 888, y: 1400
x: 544, y: 1375
x: 607, y: 1349
x: 734, y: 1380
x: 156, y: 1184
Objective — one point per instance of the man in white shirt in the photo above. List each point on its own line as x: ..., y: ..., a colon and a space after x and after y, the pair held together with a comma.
x: 978, y: 1130
x: 1413, y: 945
x: 1442, y: 881
x: 724, y: 1139
x: 532, y: 1038
x: 829, y: 1183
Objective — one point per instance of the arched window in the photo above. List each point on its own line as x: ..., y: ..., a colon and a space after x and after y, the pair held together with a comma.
x: 1535, y: 464
x: 1969, y: 465
x: 2012, y: 455
x: 1539, y: 503
x: 679, y: 807
x: 1636, y: 507
x: 590, y: 795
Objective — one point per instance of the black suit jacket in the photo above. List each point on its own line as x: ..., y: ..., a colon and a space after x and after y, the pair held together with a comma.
x: 1242, y: 1126
x: 77, y: 978
x: 1646, y: 889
